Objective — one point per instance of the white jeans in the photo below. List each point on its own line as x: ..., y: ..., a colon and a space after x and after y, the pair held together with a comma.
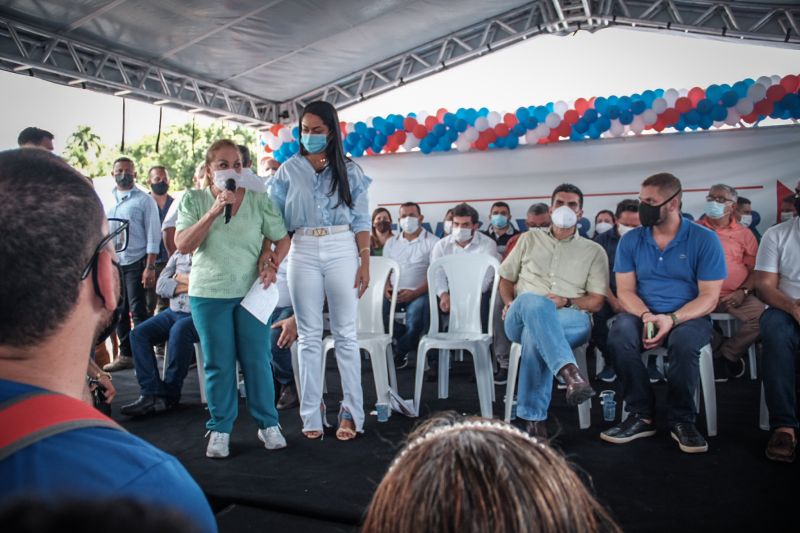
x: 321, y: 267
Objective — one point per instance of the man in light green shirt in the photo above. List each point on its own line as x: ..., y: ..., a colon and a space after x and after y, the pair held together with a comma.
x: 550, y: 283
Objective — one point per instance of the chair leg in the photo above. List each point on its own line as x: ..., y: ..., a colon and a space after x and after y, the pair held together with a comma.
x: 751, y: 353
x: 418, y: 373
x: 584, y: 409
x: 511, y: 384
x: 481, y: 360
x: 390, y: 365
x: 296, y: 368
x: 444, y: 374
x: 201, y: 372
x: 763, y: 416
x: 600, y: 362
x: 379, y: 371
x: 327, y: 345
x: 165, y: 361
x: 709, y: 390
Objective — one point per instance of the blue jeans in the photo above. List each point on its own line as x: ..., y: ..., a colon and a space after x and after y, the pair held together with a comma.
x: 780, y: 335
x: 178, y: 329
x: 281, y: 357
x: 418, y: 318
x: 683, y: 345
x: 547, y: 336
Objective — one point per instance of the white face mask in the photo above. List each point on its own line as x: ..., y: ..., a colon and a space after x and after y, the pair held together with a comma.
x: 448, y: 227
x: 543, y: 229
x: 602, y: 227
x: 564, y: 217
x: 623, y: 229
x: 786, y: 215
x: 222, y: 176
x: 462, y: 234
x: 409, y: 224
x: 746, y: 220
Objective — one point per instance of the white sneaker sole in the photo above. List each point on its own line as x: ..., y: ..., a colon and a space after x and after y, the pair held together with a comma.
x: 689, y: 449
x: 625, y: 440
x: 272, y: 448
x: 217, y: 455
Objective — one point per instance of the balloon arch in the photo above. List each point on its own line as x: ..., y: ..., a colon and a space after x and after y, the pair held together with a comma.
x: 467, y: 129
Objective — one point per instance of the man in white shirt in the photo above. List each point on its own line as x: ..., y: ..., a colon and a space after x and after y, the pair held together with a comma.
x: 411, y: 248
x: 778, y: 285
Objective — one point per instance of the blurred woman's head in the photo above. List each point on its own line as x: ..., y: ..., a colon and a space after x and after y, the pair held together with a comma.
x: 474, y: 475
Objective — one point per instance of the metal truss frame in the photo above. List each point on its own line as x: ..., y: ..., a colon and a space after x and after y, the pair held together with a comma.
x: 57, y: 58
x: 755, y: 22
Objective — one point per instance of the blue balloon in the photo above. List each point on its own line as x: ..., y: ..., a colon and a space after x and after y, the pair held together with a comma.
x: 512, y: 142
x: 638, y: 107
x: 659, y: 92
x: 714, y: 93
x: 353, y: 138
x: 719, y: 113
x: 541, y: 113
x: 451, y: 135
x: 791, y: 101
x: 387, y: 128
x: 425, y: 148
x: 591, y: 114
x: 370, y: 135
x: 705, y: 106
x: 461, y: 125
x: 483, y: 111
x: 294, y: 147
x: 550, y: 107
x: 729, y: 98
x: 518, y: 130
x: 449, y: 120
x: 439, y: 130
x: 500, y: 142
x: 357, y: 152
x: 361, y: 128
x: 625, y: 102
x: 626, y: 117
x: 593, y: 132
x: 378, y: 122
x: 522, y: 114
x: 363, y: 144
x: 531, y: 123
x: 412, y: 114
x: 377, y: 147
x: 795, y: 112
x: 398, y: 122
x: 295, y: 132
x: 648, y: 96
x: 574, y: 135
x: 600, y: 104
x: 706, y: 122
x: 612, y: 111
x: 603, y: 123
x: 749, y: 82
x: 681, y: 124
x: 613, y: 100
x: 444, y: 143
x: 692, y: 118
x: 580, y: 126
x: 472, y: 114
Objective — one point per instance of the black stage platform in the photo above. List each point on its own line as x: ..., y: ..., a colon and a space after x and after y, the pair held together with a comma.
x: 648, y: 485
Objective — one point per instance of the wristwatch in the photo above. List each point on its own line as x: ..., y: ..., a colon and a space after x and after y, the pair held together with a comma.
x: 745, y: 290
x: 150, y: 267
x: 569, y: 303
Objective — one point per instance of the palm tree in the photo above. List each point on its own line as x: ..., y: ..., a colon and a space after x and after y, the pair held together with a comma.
x: 83, y: 150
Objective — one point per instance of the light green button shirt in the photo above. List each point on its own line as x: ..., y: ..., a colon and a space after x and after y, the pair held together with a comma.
x: 542, y: 264
x: 225, y: 264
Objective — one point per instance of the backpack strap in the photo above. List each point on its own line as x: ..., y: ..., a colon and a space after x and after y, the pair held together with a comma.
x: 29, y: 418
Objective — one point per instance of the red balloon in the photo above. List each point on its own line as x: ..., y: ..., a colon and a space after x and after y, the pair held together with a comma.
x: 659, y: 126
x: 275, y: 128
x: 409, y: 123
x: 481, y: 144
x: 764, y: 107
x: 571, y: 117
x: 591, y: 102
x: 430, y: 122
x: 400, y: 136
x: 370, y: 152
x: 553, y: 135
x: 751, y: 118
x: 391, y: 145
x: 790, y: 82
x: 420, y: 131
x: 501, y: 130
x: 510, y: 120
x: 564, y: 129
x: 683, y: 105
x: 267, y: 148
x: 441, y: 113
x: 491, y: 135
x: 543, y: 140
x: 776, y: 93
x: 695, y: 95
x: 581, y: 105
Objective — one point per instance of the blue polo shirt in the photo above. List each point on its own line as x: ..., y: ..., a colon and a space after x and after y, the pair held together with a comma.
x: 667, y: 280
x: 95, y: 463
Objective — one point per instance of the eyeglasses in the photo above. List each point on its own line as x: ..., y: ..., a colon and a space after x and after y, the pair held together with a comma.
x: 118, y: 236
x: 718, y: 199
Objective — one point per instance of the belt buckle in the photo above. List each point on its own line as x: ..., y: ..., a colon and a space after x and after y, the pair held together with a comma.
x: 320, y: 232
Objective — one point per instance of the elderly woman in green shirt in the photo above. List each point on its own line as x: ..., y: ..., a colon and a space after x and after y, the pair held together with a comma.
x: 228, y: 258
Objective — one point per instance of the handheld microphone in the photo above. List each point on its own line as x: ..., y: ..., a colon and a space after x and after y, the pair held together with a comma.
x: 230, y: 185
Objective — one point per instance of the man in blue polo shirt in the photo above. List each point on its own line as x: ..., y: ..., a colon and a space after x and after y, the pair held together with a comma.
x: 669, y: 274
x: 53, y: 446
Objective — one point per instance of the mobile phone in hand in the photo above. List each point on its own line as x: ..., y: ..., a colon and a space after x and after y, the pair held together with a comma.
x: 650, y: 330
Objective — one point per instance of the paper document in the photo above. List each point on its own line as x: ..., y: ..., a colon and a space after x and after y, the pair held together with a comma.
x: 399, y: 405
x: 261, y: 302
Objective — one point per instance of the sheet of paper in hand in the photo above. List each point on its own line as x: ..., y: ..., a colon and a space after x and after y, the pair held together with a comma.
x: 261, y: 302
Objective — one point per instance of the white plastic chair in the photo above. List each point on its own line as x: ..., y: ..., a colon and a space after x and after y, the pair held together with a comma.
x: 514, y: 357
x: 372, y: 336
x: 706, y: 384
x: 727, y: 323
x: 201, y: 373
x: 763, y: 412
x: 465, y: 275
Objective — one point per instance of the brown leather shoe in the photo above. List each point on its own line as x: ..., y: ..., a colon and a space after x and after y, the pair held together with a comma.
x: 288, y: 398
x: 578, y: 389
x: 781, y: 447
x: 536, y: 429
x: 122, y: 363
x: 101, y: 356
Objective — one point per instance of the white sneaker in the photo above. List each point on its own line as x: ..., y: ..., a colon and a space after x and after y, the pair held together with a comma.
x: 218, y: 445
x: 272, y: 438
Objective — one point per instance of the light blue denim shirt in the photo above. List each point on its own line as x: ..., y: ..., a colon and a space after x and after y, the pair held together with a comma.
x: 303, y: 196
x: 144, y: 225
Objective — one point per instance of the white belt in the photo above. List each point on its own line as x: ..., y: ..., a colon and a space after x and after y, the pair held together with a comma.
x: 321, y: 232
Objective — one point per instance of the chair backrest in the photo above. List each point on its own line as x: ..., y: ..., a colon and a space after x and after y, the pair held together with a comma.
x: 522, y: 225
x: 427, y: 227
x: 465, y: 274
x: 370, y: 306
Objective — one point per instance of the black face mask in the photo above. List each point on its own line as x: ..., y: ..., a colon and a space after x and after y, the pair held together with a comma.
x: 650, y: 215
x: 159, y: 188
x: 116, y: 315
x: 124, y: 180
x: 383, y: 226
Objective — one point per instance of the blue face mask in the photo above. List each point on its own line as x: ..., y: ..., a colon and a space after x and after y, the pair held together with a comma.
x: 314, y: 143
x: 715, y: 210
x: 499, y: 221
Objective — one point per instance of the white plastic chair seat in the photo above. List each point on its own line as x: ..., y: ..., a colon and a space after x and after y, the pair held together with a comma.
x: 446, y: 341
x: 727, y: 321
x: 514, y: 358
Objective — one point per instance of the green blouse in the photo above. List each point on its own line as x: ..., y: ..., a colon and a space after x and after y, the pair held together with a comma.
x: 225, y: 263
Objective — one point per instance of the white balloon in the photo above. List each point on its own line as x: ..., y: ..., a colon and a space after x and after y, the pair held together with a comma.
x: 561, y: 107
x: 733, y: 117
x: 532, y: 137
x: 743, y: 107
x: 671, y: 95
x: 493, y: 118
x: 756, y: 92
x: 481, y: 123
x: 552, y: 120
x: 649, y: 116
x: 660, y: 105
x: 637, y: 126
x: 275, y: 143
x: 370, y: 122
x: 718, y: 123
x: 421, y: 116
x: 616, y: 128
x: 350, y: 127
x: 462, y: 145
x: 285, y: 135
x: 776, y: 79
x: 411, y: 143
x: 471, y: 134
x: 542, y: 131
x: 766, y: 81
